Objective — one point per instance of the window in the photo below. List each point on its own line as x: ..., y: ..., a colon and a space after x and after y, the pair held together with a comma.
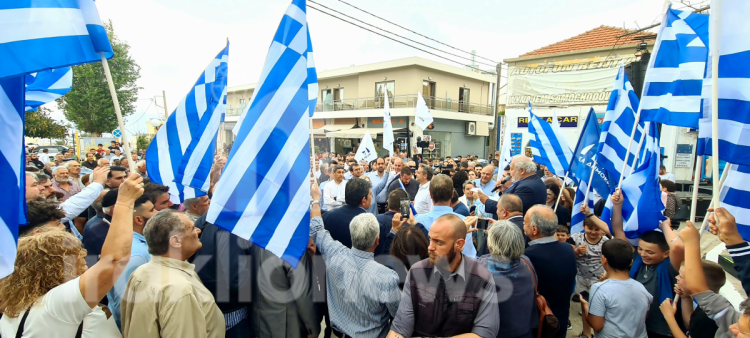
x: 332, y: 98
x: 242, y: 101
x: 428, y: 93
x: 380, y: 89
x: 463, y: 99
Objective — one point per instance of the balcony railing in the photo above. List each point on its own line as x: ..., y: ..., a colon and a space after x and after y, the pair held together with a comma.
x: 234, y: 111
x: 404, y: 101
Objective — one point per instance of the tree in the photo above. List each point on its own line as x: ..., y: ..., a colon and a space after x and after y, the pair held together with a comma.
x: 89, y: 104
x: 40, y: 124
x: 142, y: 142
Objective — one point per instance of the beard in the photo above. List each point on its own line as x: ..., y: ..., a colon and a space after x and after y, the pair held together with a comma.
x: 60, y: 180
x: 443, y: 261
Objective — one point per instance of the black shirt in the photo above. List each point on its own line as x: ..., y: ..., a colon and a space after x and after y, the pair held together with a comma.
x: 701, y: 325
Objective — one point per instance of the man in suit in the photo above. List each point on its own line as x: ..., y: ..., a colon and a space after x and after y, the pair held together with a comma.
x: 510, y: 208
x: 526, y: 185
x: 358, y: 199
x: 385, y: 220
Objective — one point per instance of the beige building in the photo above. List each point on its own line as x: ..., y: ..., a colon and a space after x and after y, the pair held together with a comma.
x: 350, y: 101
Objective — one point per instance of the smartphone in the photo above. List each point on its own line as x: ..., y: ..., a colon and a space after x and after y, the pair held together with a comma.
x: 482, y: 223
x: 473, y: 207
x: 405, y: 204
x: 475, y: 189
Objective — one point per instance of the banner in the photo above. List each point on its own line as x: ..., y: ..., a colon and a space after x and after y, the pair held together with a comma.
x: 564, y: 121
x: 580, y: 83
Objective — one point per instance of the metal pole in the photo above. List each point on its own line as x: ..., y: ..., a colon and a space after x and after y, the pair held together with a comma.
x: 113, y: 92
x: 166, y: 114
x: 408, y: 139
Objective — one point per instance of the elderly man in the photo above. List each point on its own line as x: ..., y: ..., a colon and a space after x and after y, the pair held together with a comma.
x: 74, y: 172
x: 63, y: 183
x: 486, y: 183
x: 103, y: 162
x: 423, y: 201
x: 358, y: 306
x: 526, y: 185
x: 140, y: 167
x: 196, y: 207
x: 165, y: 297
x: 365, y: 166
x: 554, y: 262
x: 510, y: 208
x: 456, y: 295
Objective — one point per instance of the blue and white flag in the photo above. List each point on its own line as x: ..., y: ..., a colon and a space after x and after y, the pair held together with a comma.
x: 12, y: 164
x: 549, y: 148
x: 735, y: 197
x: 366, y: 150
x: 642, y: 209
x: 576, y: 220
x: 585, y: 155
x: 674, y: 79
x: 46, y: 86
x: 730, y: 34
x: 210, y: 96
x: 617, y: 127
x: 264, y: 192
x: 190, y: 130
x: 42, y: 34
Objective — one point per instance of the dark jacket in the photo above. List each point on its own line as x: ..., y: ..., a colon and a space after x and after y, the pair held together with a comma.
x: 386, y: 222
x: 412, y: 188
x: 337, y: 222
x: 518, y: 221
x: 556, y: 268
x: 515, y: 295
x: 741, y: 263
x: 530, y: 190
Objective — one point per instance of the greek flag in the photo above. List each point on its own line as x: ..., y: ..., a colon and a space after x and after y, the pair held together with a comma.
x: 576, y: 220
x: 187, y: 140
x: 617, y: 127
x: 42, y: 34
x: 12, y: 169
x: 730, y: 33
x: 46, y: 86
x: 735, y: 197
x: 673, y: 83
x: 264, y: 192
x: 643, y: 209
x: 549, y: 147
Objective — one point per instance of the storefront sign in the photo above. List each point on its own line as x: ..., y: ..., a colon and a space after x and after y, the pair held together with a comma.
x: 684, y: 156
x: 377, y: 122
x: 563, y: 84
x: 565, y: 121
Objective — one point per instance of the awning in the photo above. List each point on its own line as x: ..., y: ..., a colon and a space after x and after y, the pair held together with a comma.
x: 357, y: 132
x: 332, y: 127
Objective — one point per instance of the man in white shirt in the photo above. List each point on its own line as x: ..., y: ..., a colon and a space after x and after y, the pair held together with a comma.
x: 334, y: 191
x: 664, y: 175
x: 44, y: 156
x: 423, y: 200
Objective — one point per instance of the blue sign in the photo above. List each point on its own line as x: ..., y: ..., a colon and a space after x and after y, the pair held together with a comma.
x: 116, y: 133
x: 515, y: 143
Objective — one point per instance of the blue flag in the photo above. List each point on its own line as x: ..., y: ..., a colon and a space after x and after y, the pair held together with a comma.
x: 549, y: 148
x: 264, y: 192
x: 12, y: 159
x: 583, y: 158
x: 47, y: 86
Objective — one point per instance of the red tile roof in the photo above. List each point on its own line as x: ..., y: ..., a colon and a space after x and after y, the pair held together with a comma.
x: 602, y: 36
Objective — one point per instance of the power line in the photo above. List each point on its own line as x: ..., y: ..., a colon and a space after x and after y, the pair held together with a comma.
x: 401, y: 42
x: 402, y: 27
x: 403, y: 37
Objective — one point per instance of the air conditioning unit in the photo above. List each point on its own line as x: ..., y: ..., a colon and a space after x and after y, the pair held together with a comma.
x: 471, y: 128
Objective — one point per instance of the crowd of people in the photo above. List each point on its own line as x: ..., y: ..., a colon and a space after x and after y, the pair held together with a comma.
x: 398, y: 247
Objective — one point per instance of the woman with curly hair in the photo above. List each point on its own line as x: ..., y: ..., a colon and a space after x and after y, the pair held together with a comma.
x: 52, y: 294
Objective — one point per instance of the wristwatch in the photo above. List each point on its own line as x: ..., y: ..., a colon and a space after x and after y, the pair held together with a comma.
x: 314, y: 202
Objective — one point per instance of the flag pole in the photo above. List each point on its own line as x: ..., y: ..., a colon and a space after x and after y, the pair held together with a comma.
x: 715, y: 101
x: 312, y: 149
x: 640, y: 144
x: 561, y: 190
x: 711, y: 205
x: 591, y: 179
x: 696, y: 181
x: 113, y: 93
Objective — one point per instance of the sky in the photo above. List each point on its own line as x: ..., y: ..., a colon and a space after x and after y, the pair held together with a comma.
x: 174, y: 40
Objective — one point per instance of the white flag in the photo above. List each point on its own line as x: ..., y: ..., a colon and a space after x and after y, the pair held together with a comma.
x: 387, y: 126
x: 366, y: 151
x: 505, y: 156
x: 423, y: 117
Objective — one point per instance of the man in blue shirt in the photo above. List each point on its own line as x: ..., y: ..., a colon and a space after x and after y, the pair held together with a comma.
x: 441, y: 191
x: 486, y: 183
x: 142, y: 211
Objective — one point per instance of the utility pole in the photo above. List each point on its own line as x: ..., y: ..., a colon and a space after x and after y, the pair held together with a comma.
x: 495, y: 105
x: 166, y: 114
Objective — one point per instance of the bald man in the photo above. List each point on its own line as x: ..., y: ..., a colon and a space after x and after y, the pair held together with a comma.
x: 447, y: 275
x: 485, y: 182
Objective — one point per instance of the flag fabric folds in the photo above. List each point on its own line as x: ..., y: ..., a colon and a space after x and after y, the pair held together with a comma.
x: 388, y: 139
x: 505, y: 155
x: 366, y: 150
x: 642, y: 209
x: 12, y: 159
x: 188, y: 139
x: 548, y: 147
x: 264, y: 192
x: 674, y: 79
x: 41, y: 34
x: 617, y: 127
x: 46, y: 86
x: 584, y: 157
x: 731, y: 36
x: 577, y: 217
x: 735, y: 197
x: 422, y: 116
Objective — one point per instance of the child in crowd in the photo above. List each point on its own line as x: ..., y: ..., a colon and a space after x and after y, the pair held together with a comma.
x: 696, y: 321
x: 588, y: 250
x: 563, y: 235
x: 619, y: 304
x: 660, y: 254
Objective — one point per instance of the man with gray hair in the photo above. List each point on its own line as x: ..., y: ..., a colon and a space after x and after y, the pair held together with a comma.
x: 554, y: 262
x: 63, y: 182
x: 165, y: 297
x: 526, y: 186
x: 362, y: 294
x: 140, y: 167
x: 196, y: 207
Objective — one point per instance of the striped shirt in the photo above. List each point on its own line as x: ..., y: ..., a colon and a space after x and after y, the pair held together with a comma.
x: 362, y: 294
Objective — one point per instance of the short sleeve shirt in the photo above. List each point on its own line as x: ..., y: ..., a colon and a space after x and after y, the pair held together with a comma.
x: 623, y: 304
x: 590, y: 263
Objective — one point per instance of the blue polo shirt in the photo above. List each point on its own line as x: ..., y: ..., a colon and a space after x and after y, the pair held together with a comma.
x: 437, y: 211
x: 486, y: 189
x: 138, y: 256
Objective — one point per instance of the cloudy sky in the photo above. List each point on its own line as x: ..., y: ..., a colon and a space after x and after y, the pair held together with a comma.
x: 173, y: 40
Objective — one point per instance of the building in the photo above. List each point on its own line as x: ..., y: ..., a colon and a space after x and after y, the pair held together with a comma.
x: 575, y: 75
x: 351, y: 99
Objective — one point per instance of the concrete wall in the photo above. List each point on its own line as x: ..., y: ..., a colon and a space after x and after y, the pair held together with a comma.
x: 461, y: 144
